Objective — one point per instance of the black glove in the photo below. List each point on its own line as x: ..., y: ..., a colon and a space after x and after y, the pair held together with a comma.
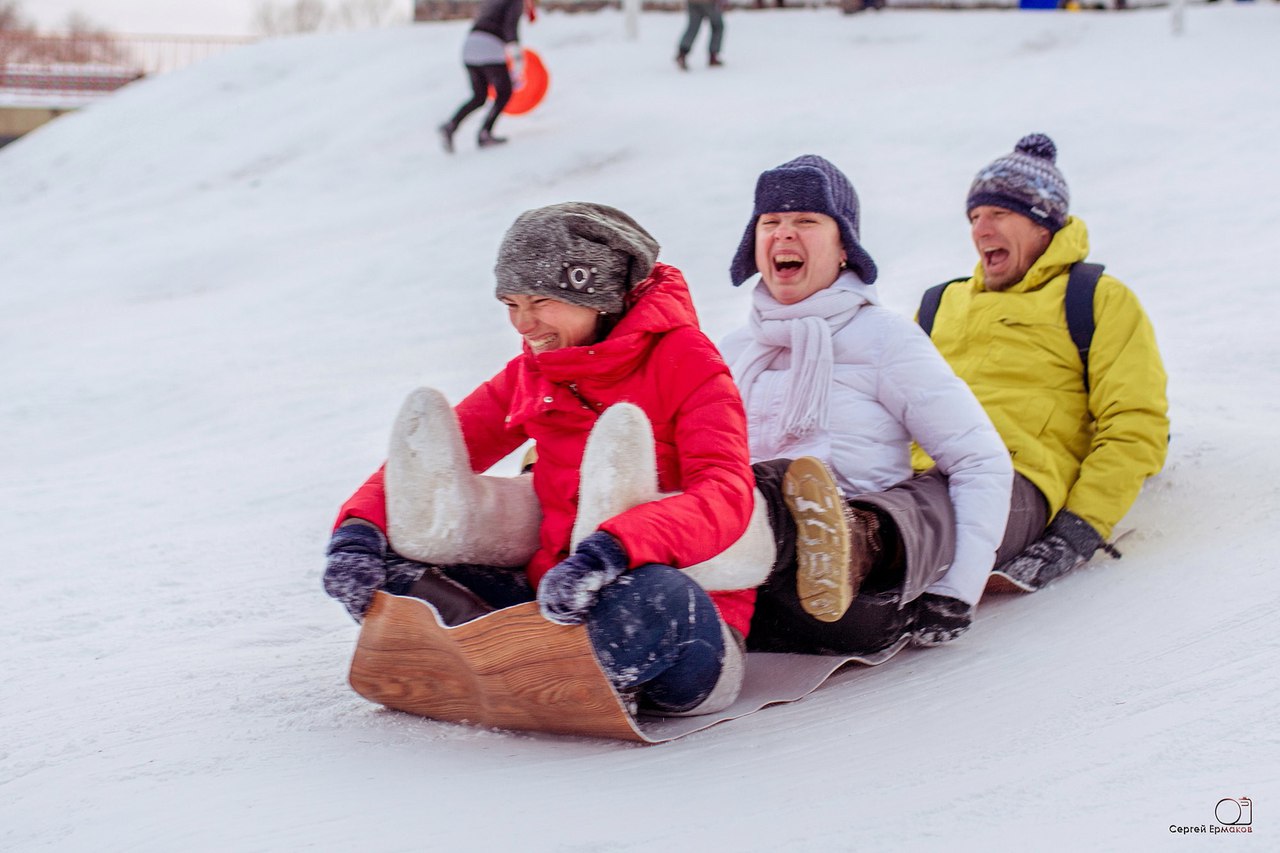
x: 573, y: 585
x: 939, y: 619
x: 1068, y: 542
x: 357, y: 566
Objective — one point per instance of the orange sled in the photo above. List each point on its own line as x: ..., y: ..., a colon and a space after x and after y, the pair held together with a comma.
x: 532, y: 90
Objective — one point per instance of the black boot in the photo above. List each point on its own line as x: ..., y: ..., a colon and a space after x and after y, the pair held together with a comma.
x: 453, y: 601
x: 487, y: 139
x: 682, y: 60
x: 446, y: 136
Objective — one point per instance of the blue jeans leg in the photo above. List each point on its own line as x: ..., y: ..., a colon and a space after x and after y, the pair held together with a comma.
x: 656, y: 631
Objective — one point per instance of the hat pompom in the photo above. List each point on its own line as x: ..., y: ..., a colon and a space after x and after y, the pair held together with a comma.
x: 1038, y: 145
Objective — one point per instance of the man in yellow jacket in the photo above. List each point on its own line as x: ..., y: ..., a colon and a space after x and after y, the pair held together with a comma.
x: 1081, y: 446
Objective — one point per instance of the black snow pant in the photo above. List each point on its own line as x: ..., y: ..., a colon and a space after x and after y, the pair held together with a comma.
x: 482, y: 77
x: 917, y: 534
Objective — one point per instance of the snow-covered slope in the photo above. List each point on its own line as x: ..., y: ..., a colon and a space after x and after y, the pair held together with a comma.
x: 217, y: 286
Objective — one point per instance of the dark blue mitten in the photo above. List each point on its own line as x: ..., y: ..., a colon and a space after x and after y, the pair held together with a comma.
x: 573, y: 585
x: 1066, y: 543
x: 357, y: 566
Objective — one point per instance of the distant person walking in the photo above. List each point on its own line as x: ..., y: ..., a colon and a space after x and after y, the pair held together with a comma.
x: 494, y: 33
x: 697, y: 12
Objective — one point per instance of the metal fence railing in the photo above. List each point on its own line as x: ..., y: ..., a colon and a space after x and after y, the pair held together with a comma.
x: 68, y: 70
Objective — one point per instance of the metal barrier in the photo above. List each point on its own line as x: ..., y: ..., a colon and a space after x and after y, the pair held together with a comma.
x: 70, y: 70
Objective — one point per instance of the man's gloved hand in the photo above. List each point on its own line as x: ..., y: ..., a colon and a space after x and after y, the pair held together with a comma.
x: 940, y: 619
x: 573, y: 586
x: 357, y: 566
x: 1066, y: 543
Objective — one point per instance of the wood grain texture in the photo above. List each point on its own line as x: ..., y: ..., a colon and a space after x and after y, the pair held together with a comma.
x: 510, y: 669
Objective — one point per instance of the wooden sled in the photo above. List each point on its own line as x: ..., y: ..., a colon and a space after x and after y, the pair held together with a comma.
x: 513, y: 669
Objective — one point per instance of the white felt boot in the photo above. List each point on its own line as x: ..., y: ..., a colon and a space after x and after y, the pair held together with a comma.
x: 438, y: 510
x: 620, y: 470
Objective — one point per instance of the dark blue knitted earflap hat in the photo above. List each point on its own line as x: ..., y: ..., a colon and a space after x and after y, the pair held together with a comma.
x: 809, y: 183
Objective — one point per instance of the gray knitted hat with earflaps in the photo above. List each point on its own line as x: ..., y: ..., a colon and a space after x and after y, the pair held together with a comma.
x: 577, y: 252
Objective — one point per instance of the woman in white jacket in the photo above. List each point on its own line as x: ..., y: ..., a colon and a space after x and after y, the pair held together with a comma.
x: 867, y: 551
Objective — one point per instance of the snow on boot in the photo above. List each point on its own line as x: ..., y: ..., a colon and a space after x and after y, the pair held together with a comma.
x: 939, y: 619
x: 620, y: 470
x: 438, y: 510
x: 836, y: 544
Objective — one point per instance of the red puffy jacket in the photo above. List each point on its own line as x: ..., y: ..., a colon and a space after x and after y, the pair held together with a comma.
x: 658, y: 359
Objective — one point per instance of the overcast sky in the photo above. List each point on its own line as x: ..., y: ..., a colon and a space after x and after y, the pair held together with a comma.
x: 170, y: 17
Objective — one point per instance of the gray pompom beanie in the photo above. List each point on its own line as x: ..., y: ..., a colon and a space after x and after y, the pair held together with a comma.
x: 577, y: 252
x: 1026, y: 181
x: 807, y: 183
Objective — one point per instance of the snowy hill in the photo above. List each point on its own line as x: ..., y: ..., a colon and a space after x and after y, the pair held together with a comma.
x: 217, y: 286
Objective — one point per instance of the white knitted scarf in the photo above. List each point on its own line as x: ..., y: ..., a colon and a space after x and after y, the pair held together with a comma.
x: 804, y: 329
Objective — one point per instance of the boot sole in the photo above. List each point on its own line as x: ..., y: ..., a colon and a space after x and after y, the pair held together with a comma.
x: 823, y: 584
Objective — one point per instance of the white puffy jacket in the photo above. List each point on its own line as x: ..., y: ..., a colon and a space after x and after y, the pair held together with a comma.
x: 889, y: 386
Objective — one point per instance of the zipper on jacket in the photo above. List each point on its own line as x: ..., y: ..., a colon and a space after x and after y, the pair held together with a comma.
x: 586, y: 404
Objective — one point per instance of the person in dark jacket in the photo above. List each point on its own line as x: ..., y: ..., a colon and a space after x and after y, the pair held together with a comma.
x: 607, y: 333
x: 494, y: 33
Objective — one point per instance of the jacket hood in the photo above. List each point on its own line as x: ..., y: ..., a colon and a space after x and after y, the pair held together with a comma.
x: 1068, y: 246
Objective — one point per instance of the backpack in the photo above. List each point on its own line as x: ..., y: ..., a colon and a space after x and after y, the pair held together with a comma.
x: 1081, y: 283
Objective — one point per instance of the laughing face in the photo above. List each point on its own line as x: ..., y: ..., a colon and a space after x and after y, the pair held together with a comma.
x: 797, y: 254
x: 1008, y: 244
x: 548, y: 324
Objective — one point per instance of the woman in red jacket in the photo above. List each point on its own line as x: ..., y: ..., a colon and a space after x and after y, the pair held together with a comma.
x: 602, y: 323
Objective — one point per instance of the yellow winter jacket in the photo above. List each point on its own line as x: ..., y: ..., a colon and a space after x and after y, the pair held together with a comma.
x: 1089, y: 452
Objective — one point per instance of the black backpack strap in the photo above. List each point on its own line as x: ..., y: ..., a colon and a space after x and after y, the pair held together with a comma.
x: 929, y: 304
x: 1081, y: 284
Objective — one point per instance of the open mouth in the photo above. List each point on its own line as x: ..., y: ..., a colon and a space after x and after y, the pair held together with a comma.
x: 543, y: 342
x: 787, y: 261
x: 994, y: 257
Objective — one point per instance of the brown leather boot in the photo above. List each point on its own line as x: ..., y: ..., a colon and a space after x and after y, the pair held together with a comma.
x: 453, y: 601
x: 836, y: 544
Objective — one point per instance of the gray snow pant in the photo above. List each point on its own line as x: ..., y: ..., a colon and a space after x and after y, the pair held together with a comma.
x: 698, y: 11
x: 917, y: 533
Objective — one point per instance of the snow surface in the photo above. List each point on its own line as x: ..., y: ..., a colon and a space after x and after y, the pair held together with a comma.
x: 219, y: 284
